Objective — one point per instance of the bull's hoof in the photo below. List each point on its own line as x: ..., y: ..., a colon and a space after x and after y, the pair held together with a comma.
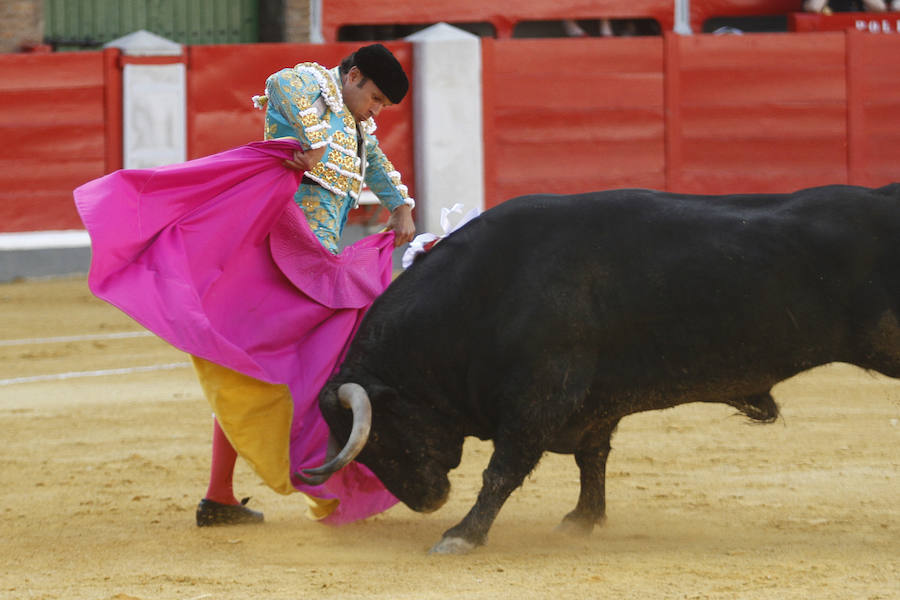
x: 452, y: 545
x: 574, y: 528
x: 761, y: 409
x: 577, y: 524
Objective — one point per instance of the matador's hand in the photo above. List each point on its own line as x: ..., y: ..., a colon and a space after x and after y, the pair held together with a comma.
x: 401, y: 223
x: 305, y: 160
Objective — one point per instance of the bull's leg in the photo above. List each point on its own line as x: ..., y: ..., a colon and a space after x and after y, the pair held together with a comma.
x: 508, y: 467
x: 759, y: 407
x: 590, y: 457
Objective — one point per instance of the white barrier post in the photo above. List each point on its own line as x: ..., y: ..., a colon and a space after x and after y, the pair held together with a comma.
x: 315, y: 22
x: 682, y: 24
x: 154, y: 101
x: 447, y: 123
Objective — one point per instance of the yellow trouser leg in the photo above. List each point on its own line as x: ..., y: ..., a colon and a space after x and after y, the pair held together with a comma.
x: 256, y: 417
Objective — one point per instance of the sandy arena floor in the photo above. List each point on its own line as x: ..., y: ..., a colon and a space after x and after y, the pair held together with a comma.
x: 101, y: 474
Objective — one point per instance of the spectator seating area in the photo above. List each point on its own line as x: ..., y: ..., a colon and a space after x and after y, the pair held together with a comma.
x: 489, y: 19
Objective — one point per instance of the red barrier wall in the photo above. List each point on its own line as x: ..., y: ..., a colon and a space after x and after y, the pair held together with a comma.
x: 704, y: 114
x: 755, y: 113
x: 695, y: 114
x: 222, y: 79
x: 873, y: 90
x: 586, y: 114
x: 55, y: 134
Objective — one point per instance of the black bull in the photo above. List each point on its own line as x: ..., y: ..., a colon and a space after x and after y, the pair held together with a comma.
x: 545, y: 321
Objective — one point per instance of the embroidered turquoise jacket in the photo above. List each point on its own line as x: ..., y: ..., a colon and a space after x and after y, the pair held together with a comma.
x: 306, y: 103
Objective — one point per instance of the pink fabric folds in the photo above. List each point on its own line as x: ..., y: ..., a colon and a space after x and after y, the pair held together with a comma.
x: 214, y: 256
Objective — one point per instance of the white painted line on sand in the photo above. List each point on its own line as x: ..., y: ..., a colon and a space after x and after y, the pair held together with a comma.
x: 42, y: 240
x: 101, y: 373
x: 76, y: 338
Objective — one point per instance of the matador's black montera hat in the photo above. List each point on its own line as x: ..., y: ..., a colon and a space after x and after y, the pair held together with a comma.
x: 378, y: 64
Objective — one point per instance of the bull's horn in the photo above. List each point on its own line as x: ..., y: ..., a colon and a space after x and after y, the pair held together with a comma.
x: 354, y: 397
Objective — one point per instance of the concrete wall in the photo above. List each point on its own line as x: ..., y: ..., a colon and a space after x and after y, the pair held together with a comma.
x: 296, y: 21
x: 21, y: 23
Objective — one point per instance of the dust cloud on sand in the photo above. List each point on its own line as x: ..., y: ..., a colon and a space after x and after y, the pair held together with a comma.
x: 101, y: 474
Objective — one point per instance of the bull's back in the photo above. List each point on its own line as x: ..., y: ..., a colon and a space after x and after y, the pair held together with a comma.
x: 639, y: 273
x: 638, y: 241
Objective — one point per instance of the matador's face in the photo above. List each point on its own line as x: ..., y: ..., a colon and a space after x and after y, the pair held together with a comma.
x: 362, y: 96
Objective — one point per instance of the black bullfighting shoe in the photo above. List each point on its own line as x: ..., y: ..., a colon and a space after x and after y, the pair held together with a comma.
x: 210, y: 514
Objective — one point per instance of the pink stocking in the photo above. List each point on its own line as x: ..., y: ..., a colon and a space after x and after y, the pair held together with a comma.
x: 221, y: 472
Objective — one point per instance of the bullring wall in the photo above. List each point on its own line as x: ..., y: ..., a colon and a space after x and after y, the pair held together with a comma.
x: 696, y: 114
x: 702, y: 113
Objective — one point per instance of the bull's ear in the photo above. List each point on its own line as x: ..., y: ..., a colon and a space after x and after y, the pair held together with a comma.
x: 337, y: 417
x: 383, y: 396
x: 328, y: 400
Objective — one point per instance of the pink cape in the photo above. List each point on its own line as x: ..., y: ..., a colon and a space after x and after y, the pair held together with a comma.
x: 214, y: 257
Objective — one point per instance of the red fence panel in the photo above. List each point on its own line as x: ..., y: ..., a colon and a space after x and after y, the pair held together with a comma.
x: 573, y: 115
x: 53, y: 110
x: 874, y: 116
x: 703, y: 114
x: 222, y: 79
x: 755, y: 113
